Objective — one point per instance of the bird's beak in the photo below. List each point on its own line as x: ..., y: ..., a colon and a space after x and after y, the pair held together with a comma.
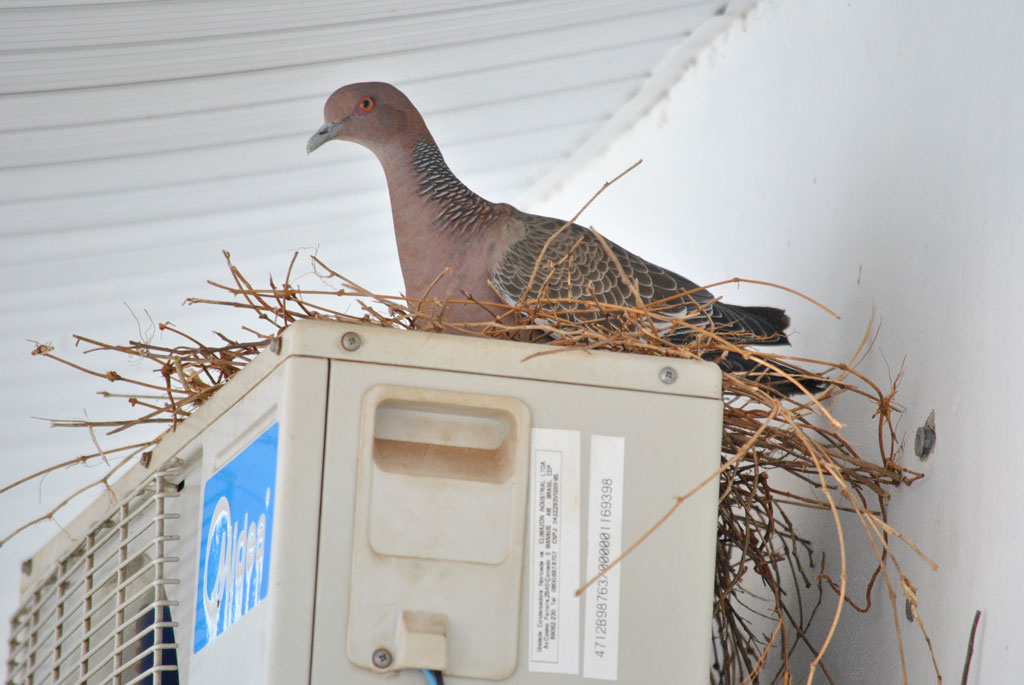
x: 326, y: 132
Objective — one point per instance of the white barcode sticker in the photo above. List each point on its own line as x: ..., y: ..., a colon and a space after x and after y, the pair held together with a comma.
x: 604, y: 543
x: 554, y: 540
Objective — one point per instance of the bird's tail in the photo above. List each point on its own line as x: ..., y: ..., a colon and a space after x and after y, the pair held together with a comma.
x: 784, y: 383
x: 752, y: 325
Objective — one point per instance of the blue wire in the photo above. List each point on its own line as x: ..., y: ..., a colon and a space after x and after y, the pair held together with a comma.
x: 431, y: 678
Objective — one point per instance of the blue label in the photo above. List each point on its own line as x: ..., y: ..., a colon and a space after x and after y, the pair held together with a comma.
x: 234, y: 550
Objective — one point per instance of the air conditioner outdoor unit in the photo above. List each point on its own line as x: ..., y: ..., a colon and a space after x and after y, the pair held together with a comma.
x: 360, y: 503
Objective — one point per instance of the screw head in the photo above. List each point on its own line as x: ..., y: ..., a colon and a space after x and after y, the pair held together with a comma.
x: 667, y: 375
x: 924, y: 441
x: 351, y: 341
x: 381, y: 658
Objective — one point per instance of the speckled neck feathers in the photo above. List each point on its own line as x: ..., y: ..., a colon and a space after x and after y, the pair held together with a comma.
x: 459, y: 209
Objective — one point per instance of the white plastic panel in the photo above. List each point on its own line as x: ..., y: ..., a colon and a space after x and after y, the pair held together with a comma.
x: 669, y: 437
x: 445, y: 472
x: 438, y: 528
x: 435, y: 430
x: 261, y: 643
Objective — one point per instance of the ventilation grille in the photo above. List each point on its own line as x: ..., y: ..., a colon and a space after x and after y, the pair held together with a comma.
x: 102, y: 614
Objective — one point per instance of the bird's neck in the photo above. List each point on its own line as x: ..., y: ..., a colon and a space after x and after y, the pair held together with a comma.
x: 438, y: 220
x: 456, y: 209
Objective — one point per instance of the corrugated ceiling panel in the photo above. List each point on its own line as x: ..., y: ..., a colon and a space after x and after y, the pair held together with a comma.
x: 59, y: 26
x: 146, y: 57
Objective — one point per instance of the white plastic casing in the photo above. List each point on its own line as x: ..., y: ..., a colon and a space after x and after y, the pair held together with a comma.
x: 411, y: 500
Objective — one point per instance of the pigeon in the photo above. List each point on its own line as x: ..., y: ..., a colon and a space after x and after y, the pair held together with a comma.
x: 455, y: 245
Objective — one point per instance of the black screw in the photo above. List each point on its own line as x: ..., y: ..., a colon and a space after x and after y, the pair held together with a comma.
x: 351, y: 341
x: 381, y: 658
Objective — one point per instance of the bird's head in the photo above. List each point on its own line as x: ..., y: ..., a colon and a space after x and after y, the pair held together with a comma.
x: 371, y: 114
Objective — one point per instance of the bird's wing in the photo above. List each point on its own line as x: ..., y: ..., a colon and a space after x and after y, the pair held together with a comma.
x: 561, y: 260
x: 569, y: 264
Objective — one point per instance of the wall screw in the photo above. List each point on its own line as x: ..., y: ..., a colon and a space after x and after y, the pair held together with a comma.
x: 351, y: 341
x: 924, y: 439
x: 381, y: 657
x: 667, y: 375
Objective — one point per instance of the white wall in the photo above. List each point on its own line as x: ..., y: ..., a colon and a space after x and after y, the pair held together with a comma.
x: 871, y: 155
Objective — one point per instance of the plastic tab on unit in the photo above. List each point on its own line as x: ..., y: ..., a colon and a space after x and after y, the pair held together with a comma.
x: 421, y: 641
x: 441, y: 486
x: 439, y: 524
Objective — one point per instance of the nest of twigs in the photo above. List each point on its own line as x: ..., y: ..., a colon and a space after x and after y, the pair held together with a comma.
x: 765, y: 568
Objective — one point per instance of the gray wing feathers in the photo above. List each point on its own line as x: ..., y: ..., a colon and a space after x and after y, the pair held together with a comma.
x: 574, y: 265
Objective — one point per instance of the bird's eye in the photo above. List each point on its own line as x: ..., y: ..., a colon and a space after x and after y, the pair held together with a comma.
x: 366, y: 104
